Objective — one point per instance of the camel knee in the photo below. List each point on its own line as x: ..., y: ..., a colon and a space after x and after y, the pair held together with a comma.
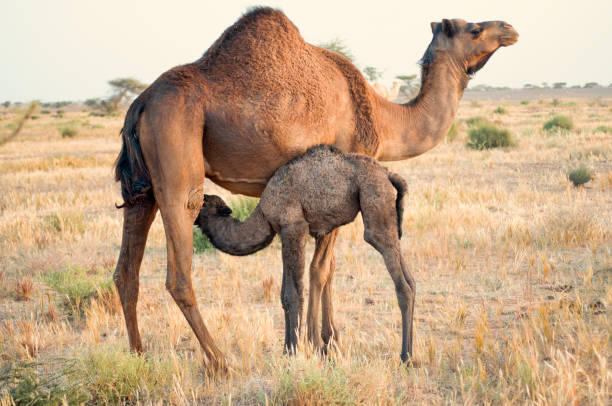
x: 182, y: 295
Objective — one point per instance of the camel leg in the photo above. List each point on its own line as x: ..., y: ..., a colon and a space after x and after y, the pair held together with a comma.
x: 136, y: 223
x: 381, y: 233
x: 321, y: 276
x: 293, y: 238
x: 171, y: 138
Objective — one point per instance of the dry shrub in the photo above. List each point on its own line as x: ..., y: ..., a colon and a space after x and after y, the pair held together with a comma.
x: 24, y: 287
x: 569, y: 228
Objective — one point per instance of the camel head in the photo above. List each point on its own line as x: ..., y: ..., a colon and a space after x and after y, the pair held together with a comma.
x: 469, y: 44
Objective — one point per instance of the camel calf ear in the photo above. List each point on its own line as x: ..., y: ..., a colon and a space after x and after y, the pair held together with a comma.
x: 448, y: 27
x: 433, y: 26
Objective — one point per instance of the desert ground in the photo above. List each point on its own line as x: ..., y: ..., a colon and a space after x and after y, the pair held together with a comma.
x: 513, y: 267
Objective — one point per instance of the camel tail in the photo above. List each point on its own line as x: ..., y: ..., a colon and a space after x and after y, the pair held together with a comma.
x: 402, y: 189
x: 130, y: 168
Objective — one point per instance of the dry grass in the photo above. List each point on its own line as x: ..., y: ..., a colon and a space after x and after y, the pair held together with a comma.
x: 513, y: 266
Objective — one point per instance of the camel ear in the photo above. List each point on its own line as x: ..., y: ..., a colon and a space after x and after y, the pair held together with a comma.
x: 434, y: 25
x: 225, y: 211
x: 448, y: 27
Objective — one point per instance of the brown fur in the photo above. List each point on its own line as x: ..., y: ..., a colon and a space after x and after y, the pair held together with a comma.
x: 316, y: 193
x: 257, y: 98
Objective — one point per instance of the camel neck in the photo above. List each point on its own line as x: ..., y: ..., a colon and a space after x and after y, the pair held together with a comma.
x: 416, y: 127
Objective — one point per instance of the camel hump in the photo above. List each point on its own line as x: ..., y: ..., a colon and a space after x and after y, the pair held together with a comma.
x: 259, y: 29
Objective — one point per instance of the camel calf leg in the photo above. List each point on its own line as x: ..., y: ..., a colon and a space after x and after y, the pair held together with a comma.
x: 293, y: 239
x: 136, y: 223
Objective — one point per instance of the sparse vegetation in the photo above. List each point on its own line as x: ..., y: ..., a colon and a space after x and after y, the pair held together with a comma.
x: 77, y: 285
x: 524, y: 102
x: 500, y: 110
x: 580, y: 176
x: 559, y: 123
x: 488, y: 135
x: 68, y: 132
x: 606, y: 129
x: 513, y: 303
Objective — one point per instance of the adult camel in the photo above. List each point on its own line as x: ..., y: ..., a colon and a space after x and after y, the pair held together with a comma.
x: 258, y: 97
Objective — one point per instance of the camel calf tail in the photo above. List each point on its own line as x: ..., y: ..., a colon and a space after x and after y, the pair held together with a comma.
x: 130, y: 168
x: 402, y: 189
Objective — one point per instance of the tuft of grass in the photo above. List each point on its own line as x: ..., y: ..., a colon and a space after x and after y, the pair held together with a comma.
x: 314, y: 385
x: 606, y: 129
x: 24, y: 287
x: 77, y: 285
x: 67, y: 222
x: 580, y: 176
x: 524, y: 102
x: 114, y: 376
x: 559, y: 123
x: 488, y: 135
x: 45, y: 112
x: 68, y: 132
x: 500, y: 110
x: 555, y: 102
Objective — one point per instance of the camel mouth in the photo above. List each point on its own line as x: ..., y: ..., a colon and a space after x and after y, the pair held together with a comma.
x: 509, y: 37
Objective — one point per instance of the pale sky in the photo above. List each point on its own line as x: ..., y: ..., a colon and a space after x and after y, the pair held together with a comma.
x: 68, y: 50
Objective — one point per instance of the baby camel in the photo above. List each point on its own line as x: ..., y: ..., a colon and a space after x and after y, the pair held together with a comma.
x: 315, y: 193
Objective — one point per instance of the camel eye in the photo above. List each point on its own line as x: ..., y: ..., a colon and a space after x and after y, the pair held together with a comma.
x: 476, y: 31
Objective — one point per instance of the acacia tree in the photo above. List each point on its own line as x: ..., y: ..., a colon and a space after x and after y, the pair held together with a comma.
x: 338, y: 46
x: 410, y: 84
x: 372, y: 73
x: 122, y: 88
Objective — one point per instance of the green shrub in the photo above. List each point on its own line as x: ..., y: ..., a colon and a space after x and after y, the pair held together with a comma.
x: 524, y: 102
x: 476, y: 121
x: 500, y: 110
x: 45, y: 112
x: 78, y: 285
x: 559, y: 123
x: 580, y: 176
x: 604, y: 129
x: 54, y: 382
x: 68, y: 132
x: 488, y: 135
x: 243, y: 207
x: 452, y: 132
x: 59, y: 113
x: 555, y: 102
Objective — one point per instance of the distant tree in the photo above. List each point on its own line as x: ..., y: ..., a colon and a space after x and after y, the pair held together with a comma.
x: 337, y: 45
x: 545, y: 85
x: 410, y: 84
x: 529, y: 86
x: 6, y: 104
x: 372, y: 73
x: 122, y: 88
x: 591, y: 85
x: 559, y: 85
x: 92, y: 103
x: 575, y: 87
